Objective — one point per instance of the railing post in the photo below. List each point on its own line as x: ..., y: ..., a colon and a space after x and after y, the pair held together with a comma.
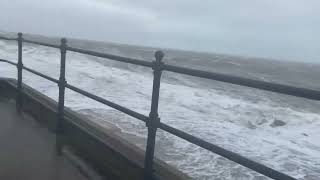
x: 154, y: 120
x: 19, y: 68
x: 61, y: 84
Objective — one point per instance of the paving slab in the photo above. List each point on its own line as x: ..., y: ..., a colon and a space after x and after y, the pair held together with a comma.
x: 27, y: 150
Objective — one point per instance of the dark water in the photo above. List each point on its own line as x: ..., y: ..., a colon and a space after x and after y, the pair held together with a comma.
x: 290, y: 73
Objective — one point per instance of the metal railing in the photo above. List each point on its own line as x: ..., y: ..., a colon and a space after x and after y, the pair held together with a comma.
x: 153, y: 120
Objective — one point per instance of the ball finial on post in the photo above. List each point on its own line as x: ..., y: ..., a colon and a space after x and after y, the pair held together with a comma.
x: 19, y: 34
x: 159, y: 55
x: 63, y: 41
x: 63, y: 45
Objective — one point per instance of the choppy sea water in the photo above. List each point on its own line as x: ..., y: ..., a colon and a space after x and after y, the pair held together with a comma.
x: 276, y: 130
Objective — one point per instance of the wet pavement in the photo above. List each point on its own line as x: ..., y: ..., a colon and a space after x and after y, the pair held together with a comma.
x: 27, y: 150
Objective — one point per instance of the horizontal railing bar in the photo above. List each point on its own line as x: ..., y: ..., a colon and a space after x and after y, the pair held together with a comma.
x: 32, y: 71
x: 6, y: 61
x: 262, y: 85
x: 262, y: 169
x: 15, y: 64
x: 109, y: 103
x: 7, y: 38
x: 112, y: 57
x: 273, y: 87
x: 42, y: 75
x: 41, y: 43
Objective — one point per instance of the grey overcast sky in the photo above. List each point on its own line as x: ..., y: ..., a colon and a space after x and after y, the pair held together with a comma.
x: 282, y: 29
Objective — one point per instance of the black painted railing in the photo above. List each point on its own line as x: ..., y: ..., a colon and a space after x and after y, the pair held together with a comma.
x: 153, y: 120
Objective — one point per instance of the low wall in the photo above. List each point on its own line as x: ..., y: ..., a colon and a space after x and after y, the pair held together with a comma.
x: 110, y: 155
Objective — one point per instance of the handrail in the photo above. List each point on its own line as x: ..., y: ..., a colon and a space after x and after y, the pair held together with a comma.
x: 262, y: 169
x: 252, y: 83
x: 112, y: 57
x: 7, y: 38
x: 153, y: 121
x: 109, y: 103
x: 41, y: 75
x: 9, y: 62
x: 262, y: 85
x: 41, y: 43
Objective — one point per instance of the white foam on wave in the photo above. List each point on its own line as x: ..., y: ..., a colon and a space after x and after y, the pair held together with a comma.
x: 237, y: 124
